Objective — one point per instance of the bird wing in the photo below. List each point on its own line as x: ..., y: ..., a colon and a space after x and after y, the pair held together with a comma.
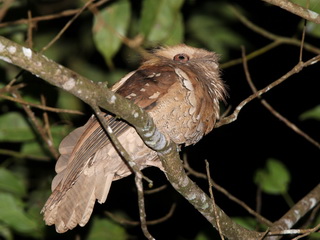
x: 89, y: 163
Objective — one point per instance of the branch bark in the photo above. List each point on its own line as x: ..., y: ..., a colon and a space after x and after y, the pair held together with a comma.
x: 296, y: 9
x: 99, y: 95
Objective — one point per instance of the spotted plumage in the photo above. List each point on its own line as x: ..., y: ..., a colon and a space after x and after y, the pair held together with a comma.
x: 178, y: 86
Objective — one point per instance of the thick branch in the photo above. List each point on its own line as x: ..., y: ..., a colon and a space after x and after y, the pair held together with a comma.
x: 100, y: 95
x: 296, y: 212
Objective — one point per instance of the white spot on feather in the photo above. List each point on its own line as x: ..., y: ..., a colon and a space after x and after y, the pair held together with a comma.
x: 109, y: 129
x: 155, y: 95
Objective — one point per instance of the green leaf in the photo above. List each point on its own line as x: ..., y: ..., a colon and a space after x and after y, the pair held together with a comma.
x: 247, y: 222
x: 107, y: 230
x: 14, y: 128
x: 5, y: 232
x: 11, y: 183
x: 213, y: 33
x: 33, y: 149
x: 274, y: 178
x: 161, y: 21
x: 201, y: 236
x: 59, y: 132
x: 36, y: 149
x: 312, y: 28
x: 177, y: 33
x: 313, y: 4
x: 313, y: 113
x: 111, y: 21
x: 12, y: 214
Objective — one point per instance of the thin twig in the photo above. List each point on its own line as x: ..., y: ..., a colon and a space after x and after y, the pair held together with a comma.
x: 297, y: 68
x: 308, y: 232
x: 45, y: 108
x: 65, y: 13
x: 271, y: 109
x: 66, y: 26
x: 271, y: 36
x: 155, y: 190
x: 142, y: 210
x: 131, y: 164
x: 213, y: 201
x: 46, y: 120
x: 302, y: 42
x: 118, y: 146
x: 29, y: 40
x: 252, y: 55
x: 4, y: 8
x: 23, y: 155
x: 122, y: 220
x: 226, y: 193
x: 37, y: 126
x: 304, y: 232
x: 10, y: 87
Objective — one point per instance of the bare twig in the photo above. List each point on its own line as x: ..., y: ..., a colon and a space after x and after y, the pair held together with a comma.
x: 66, y: 26
x: 229, y: 195
x: 37, y: 126
x: 213, y: 201
x: 155, y: 190
x: 252, y: 55
x: 118, y: 146
x: 4, y: 8
x: 296, y: 9
x: 10, y: 87
x: 308, y: 232
x: 46, y: 120
x: 23, y: 155
x: 297, y: 68
x: 271, y: 36
x: 136, y: 223
x: 29, y: 40
x: 142, y: 211
x: 271, y: 109
x: 45, y: 108
x: 303, y: 232
x: 65, y: 13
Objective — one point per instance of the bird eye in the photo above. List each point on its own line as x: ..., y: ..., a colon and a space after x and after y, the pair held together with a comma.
x: 181, y: 57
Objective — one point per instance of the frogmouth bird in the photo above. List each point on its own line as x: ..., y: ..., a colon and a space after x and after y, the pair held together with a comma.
x: 180, y: 88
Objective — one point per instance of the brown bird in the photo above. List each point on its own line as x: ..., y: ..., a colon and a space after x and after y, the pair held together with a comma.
x: 178, y: 86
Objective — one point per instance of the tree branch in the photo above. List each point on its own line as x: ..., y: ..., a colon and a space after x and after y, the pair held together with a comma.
x: 296, y: 9
x: 295, y: 213
x: 99, y: 95
x: 297, y: 68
